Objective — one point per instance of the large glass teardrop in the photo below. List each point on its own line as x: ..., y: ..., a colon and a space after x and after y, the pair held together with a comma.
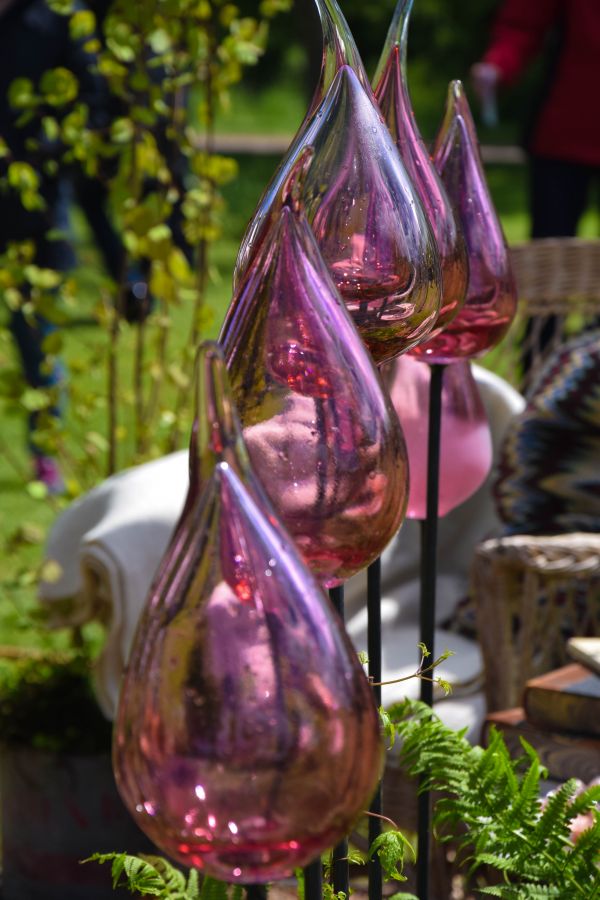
x: 369, y: 222
x: 490, y: 305
x: 465, y: 440
x: 391, y: 93
x: 246, y: 741
x: 320, y: 430
x: 339, y: 48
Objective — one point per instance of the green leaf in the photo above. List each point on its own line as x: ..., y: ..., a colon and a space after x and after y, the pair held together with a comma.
x: 82, y: 24
x: 390, y: 847
x: 37, y: 490
x: 122, y: 130
x: 23, y: 177
x: 34, y: 399
x: 59, y: 86
x: 159, y: 41
x: 42, y: 278
x: 21, y: 94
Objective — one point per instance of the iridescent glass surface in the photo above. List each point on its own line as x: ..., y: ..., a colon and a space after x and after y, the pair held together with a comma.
x: 246, y: 741
x: 320, y: 430
x: 392, y: 95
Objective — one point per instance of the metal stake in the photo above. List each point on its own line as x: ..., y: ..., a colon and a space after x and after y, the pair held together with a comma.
x: 313, y: 880
x: 375, y: 672
x: 340, y: 868
x: 427, y: 611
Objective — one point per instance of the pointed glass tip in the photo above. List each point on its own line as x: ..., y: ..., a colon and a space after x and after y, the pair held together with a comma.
x: 293, y: 186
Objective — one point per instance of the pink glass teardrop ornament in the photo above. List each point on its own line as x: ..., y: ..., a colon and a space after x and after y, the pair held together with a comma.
x: 391, y: 93
x: 320, y: 430
x: 369, y: 223
x: 465, y: 441
x: 490, y: 304
x: 339, y: 48
x: 246, y: 741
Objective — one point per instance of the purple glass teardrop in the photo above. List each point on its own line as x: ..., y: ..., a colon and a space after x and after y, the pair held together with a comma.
x: 247, y: 740
x: 320, y: 430
x: 339, y: 49
x: 369, y: 223
x: 465, y: 439
x: 490, y: 305
x: 391, y: 93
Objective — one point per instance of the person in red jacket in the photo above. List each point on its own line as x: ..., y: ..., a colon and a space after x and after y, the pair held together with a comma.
x: 564, y: 139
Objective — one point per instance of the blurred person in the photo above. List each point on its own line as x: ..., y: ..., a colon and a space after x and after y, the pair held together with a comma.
x: 33, y: 40
x: 563, y: 137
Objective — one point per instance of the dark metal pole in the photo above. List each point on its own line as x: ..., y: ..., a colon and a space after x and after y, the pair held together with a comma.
x: 375, y: 672
x: 340, y: 869
x: 313, y: 881
x: 256, y: 891
x: 427, y: 611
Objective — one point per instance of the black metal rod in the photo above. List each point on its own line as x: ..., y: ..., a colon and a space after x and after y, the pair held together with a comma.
x: 313, y: 880
x: 256, y: 891
x: 428, y: 600
x: 375, y: 673
x: 340, y: 870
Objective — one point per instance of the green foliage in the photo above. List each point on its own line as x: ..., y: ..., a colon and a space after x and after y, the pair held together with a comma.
x: 157, y: 162
x: 167, y: 67
x: 390, y: 847
x: 46, y: 702
x: 154, y: 876
x: 491, y: 808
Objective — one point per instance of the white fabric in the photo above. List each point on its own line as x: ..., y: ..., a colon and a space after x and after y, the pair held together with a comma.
x: 109, y: 542
x: 108, y: 545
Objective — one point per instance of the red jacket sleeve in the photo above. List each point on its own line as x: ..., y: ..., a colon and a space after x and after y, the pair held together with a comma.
x: 518, y: 34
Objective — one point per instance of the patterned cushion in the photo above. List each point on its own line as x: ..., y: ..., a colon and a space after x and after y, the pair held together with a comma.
x: 548, y: 476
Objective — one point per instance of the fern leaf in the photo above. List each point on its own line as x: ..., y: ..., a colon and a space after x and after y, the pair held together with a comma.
x: 403, y: 896
x: 213, y: 889
x: 553, y: 824
x: 586, y: 800
x: 174, y: 880
x: 141, y: 876
x: 390, y: 847
x: 192, y: 889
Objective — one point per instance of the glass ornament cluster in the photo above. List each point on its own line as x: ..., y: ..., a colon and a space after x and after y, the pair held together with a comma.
x: 247, y: 740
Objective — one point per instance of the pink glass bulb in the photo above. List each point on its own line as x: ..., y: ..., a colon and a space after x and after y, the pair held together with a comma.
x: 339, y: 48
x: 391, y: 93
x: 465, y: 441
x: 320, y: 430
x: 369, y: 222
x: 490, y: 305
x: 247, y: 741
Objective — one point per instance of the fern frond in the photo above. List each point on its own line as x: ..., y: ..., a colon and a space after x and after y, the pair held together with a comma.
x: 523, y: 892
x: 492, y: 810
x: 141, y: 876
x: 553, y: 824
x: 193, y: 885
x: 174, y: 880
x: 213, y: 889
x: 586, y: 801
